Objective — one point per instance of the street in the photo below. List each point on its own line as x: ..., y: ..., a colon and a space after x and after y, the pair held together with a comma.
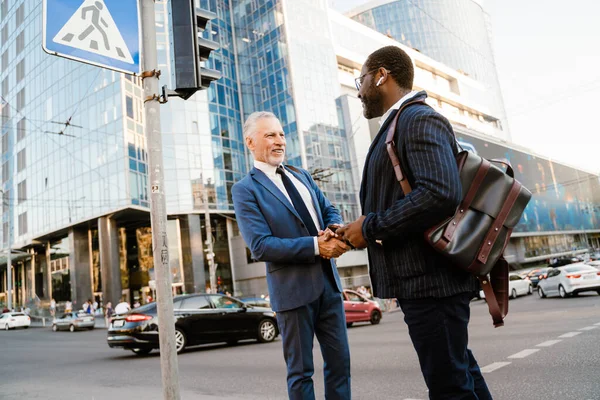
x: 548, y: 349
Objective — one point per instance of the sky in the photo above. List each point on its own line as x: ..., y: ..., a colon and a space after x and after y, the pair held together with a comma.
x: 548, y: 61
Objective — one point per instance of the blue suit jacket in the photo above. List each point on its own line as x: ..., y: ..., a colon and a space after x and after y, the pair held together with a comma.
x: 276, y: 234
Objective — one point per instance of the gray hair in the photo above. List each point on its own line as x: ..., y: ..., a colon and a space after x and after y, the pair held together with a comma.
x: 250, y: 124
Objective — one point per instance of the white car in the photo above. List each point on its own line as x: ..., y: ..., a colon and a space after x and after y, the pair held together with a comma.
x: 570, y: 280
x: 595, y: 264
x: 517, y: 286
x: 13, y: 320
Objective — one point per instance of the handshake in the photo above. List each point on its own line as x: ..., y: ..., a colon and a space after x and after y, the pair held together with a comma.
x: 338, y: 239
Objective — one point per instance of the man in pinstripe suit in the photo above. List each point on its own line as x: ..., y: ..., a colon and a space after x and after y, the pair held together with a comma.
x: 433, y: 294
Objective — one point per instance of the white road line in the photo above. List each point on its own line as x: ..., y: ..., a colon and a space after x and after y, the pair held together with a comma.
x: 588, y: 328
x: 548, y: 343
x: 524, y: 353
x: 494, y: 366
x: 598, y: 324
x: 570, y: 334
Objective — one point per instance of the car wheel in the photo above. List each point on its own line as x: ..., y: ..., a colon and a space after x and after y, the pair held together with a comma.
x: 141, y: 352
x: 266, y: 331
x: 180, y: 340
x: 541, y: 293
x: 530, y: 290
x: 72, y: 328
x: 349, y: 324
x: 54, y: 328
x: 513, y: 294
x: 562, y: 292
x: 375, y: 317
x: 6, y: 327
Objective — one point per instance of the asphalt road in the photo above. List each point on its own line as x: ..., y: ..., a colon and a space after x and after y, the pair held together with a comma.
x: 40, y: 364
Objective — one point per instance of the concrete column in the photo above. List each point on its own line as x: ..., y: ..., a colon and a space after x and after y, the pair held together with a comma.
x: 22, y: 289
x: 45, y: 261
x: 30, y: 271
x: 108, y: 237
x: 80, y: 267
x: 192, y: 253
x: 229, y: 223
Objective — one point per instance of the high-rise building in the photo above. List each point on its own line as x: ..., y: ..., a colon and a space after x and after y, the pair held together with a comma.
x: 75, y: 199
x: 456, y: 33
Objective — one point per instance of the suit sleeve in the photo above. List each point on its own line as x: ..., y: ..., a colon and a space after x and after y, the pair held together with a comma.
x: 436, y: 189
x: 329, y: 213
x: 257, y: 234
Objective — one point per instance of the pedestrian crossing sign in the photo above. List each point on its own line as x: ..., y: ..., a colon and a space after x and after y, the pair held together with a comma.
x: 105, y: 33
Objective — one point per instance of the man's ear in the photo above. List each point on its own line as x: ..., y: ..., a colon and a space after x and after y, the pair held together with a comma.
x: 250, y: 143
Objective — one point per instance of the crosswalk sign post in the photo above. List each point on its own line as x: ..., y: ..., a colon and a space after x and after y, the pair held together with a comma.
x: 105, y: 33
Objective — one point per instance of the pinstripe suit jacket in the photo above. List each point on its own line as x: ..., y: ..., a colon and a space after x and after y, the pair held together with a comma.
x: 404, y: 266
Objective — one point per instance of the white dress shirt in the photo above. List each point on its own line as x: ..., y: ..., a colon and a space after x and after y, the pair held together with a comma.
x: 396, y: 106
x: 272, y: 174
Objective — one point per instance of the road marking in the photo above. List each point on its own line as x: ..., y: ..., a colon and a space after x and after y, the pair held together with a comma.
x: 570, y: 334
x: 524, y: 353
x: 548, y: 343
x: 494, y: 366
x: 588, y: 328
x: 598, y: 324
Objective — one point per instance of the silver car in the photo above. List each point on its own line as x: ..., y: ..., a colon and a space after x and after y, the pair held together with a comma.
x: 569, y: 280
x: 74, y: 321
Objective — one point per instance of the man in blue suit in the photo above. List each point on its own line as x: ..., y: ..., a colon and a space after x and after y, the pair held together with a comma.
x: 434, y: 295
x: 283, y: 217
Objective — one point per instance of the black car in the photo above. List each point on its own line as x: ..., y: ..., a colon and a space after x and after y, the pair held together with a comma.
x: 199, y: 319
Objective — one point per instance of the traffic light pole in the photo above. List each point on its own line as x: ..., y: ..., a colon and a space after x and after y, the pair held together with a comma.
x: 158, y: 212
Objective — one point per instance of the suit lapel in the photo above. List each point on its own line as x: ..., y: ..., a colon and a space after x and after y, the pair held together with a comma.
x: 268, y: 184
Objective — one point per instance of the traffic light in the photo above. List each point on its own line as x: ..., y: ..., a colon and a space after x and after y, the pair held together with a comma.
x: 189, y: 49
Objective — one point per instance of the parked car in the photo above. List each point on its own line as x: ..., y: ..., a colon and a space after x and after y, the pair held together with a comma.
x: 257, y: 301
x: 199, y: 319
x: 74, y: 321
x: 517, y: 286
x: 358, y: 308
x: 13, y: 320
x: 570, y: 280
x: 534, y: 275
x: 595, y: 264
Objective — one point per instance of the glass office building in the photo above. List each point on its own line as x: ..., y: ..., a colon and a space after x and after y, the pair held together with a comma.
x: 456, y: 33
x: 75, y: 198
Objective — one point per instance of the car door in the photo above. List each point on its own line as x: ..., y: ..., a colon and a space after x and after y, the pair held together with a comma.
x: 357, y: 308
x: 552, y: 281
x: 195, y: 318
x: 519, y: 284
x: 233, y: 319
x: 3, y: 320
x: 64, y: 321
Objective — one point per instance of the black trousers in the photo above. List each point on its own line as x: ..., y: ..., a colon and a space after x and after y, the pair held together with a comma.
x: 438, y: 330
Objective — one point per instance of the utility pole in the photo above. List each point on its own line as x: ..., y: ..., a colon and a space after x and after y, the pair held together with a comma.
x: 158, y: 212
x: 210, y: 255
x: 6, y: 200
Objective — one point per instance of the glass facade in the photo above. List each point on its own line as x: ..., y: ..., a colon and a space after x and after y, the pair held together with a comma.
x: 456, y: 33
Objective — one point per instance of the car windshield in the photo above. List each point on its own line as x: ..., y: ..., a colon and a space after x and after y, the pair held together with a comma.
x: 18, y: 315
x: 82, y: 314
x: 579, y: 268
x: 150, y: 307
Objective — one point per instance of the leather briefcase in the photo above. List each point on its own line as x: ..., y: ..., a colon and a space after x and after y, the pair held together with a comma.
x: 474, y: 238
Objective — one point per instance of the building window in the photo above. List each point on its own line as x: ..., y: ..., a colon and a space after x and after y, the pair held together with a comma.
x: 4, y: 84
x: 20, y: 70
x: 20, y: 43
x: 5, y: 114
x: 5, y: 201
x: 22, y: 192
x: 21, y: 160
x: 21, y: 129
x: 23, y: 223
x: 21, y: 100
x: 5, y: 232
x: 20, y: 15
x: 4, y: 143
x: 4, y: 8
x: 129, y: 106
x: 4, y: 34
x: 5, y: 61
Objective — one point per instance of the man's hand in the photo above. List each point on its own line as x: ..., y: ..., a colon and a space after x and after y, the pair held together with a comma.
x: 352, y: 233
x: 330, y: 247
x: 330, y: 233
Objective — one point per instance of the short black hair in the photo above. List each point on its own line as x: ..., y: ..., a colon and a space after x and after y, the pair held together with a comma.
x: 395, y: 60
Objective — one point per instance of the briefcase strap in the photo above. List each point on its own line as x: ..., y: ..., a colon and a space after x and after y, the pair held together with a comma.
x: 495, y: 288
x: 391, y: 148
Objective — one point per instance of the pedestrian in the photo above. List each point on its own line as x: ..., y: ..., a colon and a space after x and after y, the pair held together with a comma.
x: 94, y: 306
x: 52, y: 307
x: 68, y: 306
x: 433, y: 295
x: 136, y: 304
x: 108, y: 314
x: 123, y: 307
x: 283, y: 215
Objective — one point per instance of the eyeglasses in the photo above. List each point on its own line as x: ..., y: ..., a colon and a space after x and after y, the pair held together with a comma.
x: 358, y: 81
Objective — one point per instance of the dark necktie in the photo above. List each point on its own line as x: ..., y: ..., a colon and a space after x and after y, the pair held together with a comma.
x: 298, y: 202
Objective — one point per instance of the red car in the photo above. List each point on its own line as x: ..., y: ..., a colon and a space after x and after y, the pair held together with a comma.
x: 360, y: 309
